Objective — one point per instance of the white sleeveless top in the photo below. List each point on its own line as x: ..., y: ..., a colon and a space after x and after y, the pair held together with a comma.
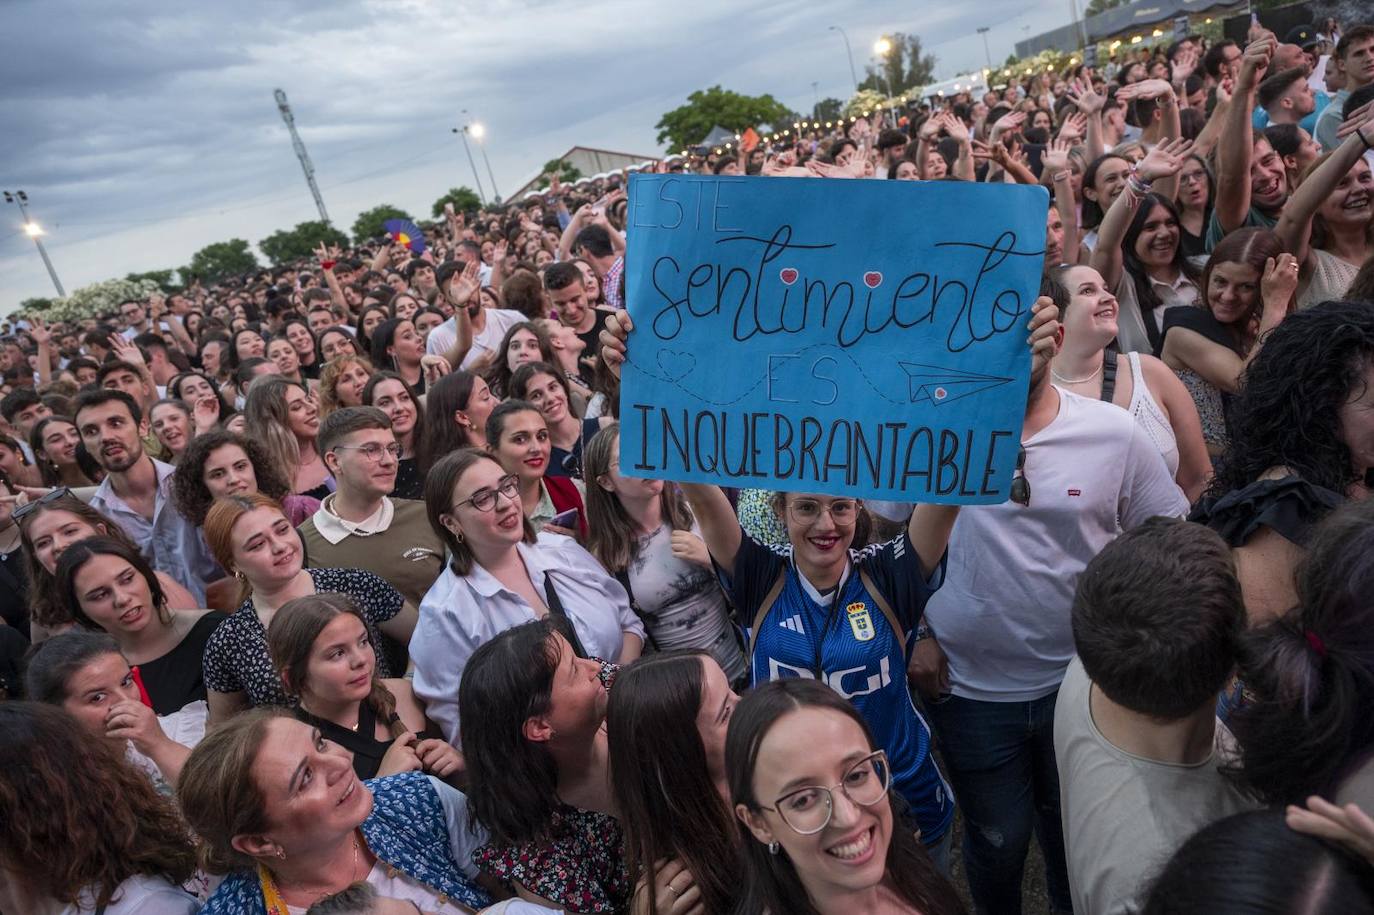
x: 1150, y: 417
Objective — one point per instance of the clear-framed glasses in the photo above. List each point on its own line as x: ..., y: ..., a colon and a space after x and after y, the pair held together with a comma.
x: 808, y: 511
x: 484, y: 500
x: 1192, y: 177
x: 373, y: 450
x: 807, y: 810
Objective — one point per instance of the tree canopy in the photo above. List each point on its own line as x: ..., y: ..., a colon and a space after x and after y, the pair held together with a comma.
x: 164, y: 278
x: 828, y: 109
x: 1101, y: 6
x: 688, y: 124
x: 565, y: 170
x: 286, y: 245
x: 903, y: 67
x: 220, y: 260
x: 368, y: 225
x: 464, y: 200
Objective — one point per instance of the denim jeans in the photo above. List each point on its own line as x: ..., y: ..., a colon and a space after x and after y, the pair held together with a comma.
x: 1000, y: 759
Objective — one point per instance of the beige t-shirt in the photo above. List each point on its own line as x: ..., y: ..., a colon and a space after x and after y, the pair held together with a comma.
x: 1124, y: 815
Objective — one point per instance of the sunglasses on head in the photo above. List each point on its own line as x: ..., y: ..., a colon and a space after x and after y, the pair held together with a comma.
x: 45, y: 499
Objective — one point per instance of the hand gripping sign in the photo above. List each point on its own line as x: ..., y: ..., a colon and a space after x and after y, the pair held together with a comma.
x: 860, y: 338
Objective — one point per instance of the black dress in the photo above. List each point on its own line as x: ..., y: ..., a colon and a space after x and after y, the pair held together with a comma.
x: 367, y: 750
x: 409, y: 483
x: 1290, y: 506
x: 178, y: 678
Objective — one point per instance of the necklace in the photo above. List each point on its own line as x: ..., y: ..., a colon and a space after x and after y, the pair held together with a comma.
x: 272, y: 895
x: 1060, y: 378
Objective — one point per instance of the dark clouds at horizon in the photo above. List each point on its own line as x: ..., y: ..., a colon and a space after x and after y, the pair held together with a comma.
x: 143, y: 131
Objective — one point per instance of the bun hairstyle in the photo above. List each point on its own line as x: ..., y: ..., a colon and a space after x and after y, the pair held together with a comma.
x: 1312, y: 671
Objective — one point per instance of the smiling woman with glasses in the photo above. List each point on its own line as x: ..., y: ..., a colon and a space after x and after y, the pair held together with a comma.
x: 500, y: 574
x: 818, y: 831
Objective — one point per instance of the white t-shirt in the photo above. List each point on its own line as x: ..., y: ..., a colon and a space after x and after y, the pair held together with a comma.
x: 1002, y: 614
x: 142, y: 895
x: 1124, y: 816
x: 499, y: 320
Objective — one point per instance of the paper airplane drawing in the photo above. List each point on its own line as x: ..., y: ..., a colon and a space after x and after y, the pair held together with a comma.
x: 939, y: 385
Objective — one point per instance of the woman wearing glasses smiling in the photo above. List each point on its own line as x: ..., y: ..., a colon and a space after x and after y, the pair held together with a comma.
x: 846, y: 617
x: 501, y: 573
x: 819, y: 834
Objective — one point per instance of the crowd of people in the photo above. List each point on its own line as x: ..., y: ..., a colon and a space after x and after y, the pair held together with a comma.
x: 324, y: 592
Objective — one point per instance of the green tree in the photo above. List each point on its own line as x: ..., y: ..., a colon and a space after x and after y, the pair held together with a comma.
x: 828, y: 110
x: 688, y: 124
x: 566, y: 170
x: 286, y: 245
x: 165, y: 279
x: 903, y: 67
x: 368, y: 225
x: 1101, y: 6
x: 464, y: 200
x: 220, y: 260
x: 37, y: 304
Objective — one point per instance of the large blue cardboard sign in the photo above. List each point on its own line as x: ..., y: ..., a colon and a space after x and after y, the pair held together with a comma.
x: 849, y: 337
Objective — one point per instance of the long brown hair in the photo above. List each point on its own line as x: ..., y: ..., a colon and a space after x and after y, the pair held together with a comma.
x: 217, y: 792
x: 329, y: 380
x: 48, y: 609
x: 218, y: 530
x: 291, y: 638
x: 771, y: 882
x: 78, y: 818
x: 439, y: 484
x: 498, y: 378
x: 269, y: 421
x: 612, y: 536
x: 667, y: 803
x: 1253, y: 247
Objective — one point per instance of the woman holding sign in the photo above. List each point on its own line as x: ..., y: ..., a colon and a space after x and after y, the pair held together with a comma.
x: 842, y: 616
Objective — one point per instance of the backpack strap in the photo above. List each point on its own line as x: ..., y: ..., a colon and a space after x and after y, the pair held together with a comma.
x: 883, y: 605
x: 769, y: 600
x: 1109, y: 366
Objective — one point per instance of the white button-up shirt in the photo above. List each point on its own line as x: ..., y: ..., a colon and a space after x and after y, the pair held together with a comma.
x: 169, y: 541
x: 461, y: 612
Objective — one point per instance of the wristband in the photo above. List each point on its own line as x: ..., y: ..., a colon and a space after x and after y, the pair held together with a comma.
x: 1064, y: 175
x: 327, y: 265
x: 1359, y: 132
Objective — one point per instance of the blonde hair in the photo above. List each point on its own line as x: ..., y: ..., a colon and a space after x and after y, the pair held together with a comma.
x: 329, y: 380
x: 269, y: 421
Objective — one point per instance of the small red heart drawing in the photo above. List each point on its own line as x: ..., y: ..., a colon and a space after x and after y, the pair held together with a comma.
x: 788, y: 275
x: 873, y: 279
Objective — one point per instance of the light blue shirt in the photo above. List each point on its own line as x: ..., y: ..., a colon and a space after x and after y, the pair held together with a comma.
x: 170, y: 542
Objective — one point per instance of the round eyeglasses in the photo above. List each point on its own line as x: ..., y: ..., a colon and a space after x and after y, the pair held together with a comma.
x: 807, y: 810
x: 484, y: 500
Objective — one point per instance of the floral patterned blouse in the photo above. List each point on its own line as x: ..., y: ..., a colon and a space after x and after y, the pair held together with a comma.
x: 582, y: 868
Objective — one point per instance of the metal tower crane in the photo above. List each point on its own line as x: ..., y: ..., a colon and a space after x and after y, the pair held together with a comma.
x: 306, y: 165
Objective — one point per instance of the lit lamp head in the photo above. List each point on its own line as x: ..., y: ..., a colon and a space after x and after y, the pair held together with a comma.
x: 33, y: 229
x: 478, y: 131
x: 882, y: 46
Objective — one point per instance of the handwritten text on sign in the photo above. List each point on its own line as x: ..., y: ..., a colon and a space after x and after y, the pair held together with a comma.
x: 865, y: 338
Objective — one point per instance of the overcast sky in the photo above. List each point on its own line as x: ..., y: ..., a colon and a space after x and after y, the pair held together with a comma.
x: 144, y: 130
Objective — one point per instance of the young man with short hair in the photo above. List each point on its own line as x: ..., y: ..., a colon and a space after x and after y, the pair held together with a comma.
x: 22, y: 409
x: 568, y: 293
x: 469, y: 339
x: 1156, y: 617
x: 1353, y: 61
x: 1287, y: 98
x: 126, y: 377
x: 135, y: 318
x: 359, y: 525
x: 136, y: 493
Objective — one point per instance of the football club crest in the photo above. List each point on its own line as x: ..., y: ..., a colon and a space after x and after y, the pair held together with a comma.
x: 859, y: 621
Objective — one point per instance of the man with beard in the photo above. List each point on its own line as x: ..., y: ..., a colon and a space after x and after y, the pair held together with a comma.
x: 470, y: 338
x: 1252, y: 185
x: 136, y: 493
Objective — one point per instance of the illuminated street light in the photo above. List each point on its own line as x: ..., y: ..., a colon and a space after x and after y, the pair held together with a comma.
x: 33, y: 228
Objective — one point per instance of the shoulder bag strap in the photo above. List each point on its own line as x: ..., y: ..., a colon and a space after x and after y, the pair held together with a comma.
x: 883, y: 605
x: 556, y: 611
x: 769, y: 600
x: 623, y: 576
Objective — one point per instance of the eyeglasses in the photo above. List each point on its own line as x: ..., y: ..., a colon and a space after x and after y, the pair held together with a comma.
x: 808, y: 511
x: 484, y: 500
x: 807, y: 810
x: 1020, y: 486
x: 373, y: 450
x: 1192, y: 177
x: 46, y: 498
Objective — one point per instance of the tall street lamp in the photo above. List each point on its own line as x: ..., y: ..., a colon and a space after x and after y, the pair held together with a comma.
x: 983, y: 30
x: 882, y: 47
x: 478, y: 132
x: 849, y: 52
x: 34, y: 230
x: 463, y: 132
